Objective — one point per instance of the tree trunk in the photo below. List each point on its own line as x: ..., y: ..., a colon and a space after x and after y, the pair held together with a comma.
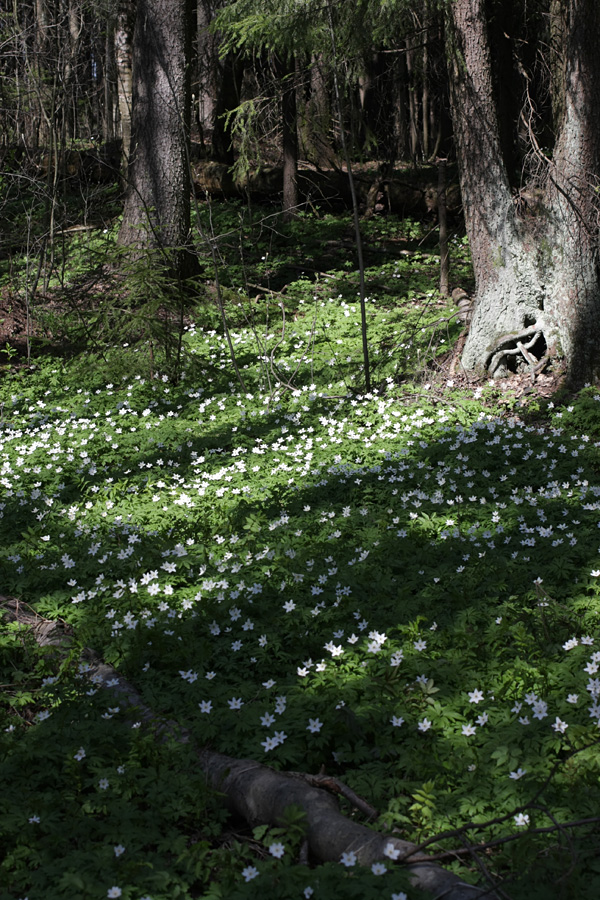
x: 536, y: 274
x: 573, y: 200
x: 425, y: 109
x: 289, y: 138
x: 36, y: 128
x: 401, y: 126
x: 157, y: 203
x: 75, y: 27
x: 109, y: 84
x: 208, y: 66
x: 443, y: 225
x: 317, y: 129
x: 229, y: 89
x: 413, y: 106
x: 123, y: 39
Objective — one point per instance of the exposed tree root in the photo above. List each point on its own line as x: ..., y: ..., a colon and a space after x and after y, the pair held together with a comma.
x: 254, y: 791
x: 514, y: 345
x: 456, y: 353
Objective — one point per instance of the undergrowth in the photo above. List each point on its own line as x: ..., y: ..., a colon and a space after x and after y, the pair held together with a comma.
x: 399, y: 587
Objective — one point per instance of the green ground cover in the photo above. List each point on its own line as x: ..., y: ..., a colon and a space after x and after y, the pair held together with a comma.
x: 400, y: 586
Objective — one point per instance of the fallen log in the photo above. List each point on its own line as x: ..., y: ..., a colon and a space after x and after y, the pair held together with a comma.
x: 257, y: 793
x: 326, y: 187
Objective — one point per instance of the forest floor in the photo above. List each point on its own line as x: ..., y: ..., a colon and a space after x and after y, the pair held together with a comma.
x: 395, y: 587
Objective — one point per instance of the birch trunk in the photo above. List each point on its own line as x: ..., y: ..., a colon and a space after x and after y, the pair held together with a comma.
x: 123, y: 39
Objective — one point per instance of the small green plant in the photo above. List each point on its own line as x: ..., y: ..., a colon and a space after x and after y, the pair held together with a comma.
x: 9, y: 352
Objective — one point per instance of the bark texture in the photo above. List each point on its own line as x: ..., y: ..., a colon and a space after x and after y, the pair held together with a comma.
x: 157, y: 203
x: 256, y: 792
x: 289, y: 138
x: 316, y: 126
x: 536, y: 272
x: 228, y: 96
x: 572, y: 196
x: 123, y: 38
x: 208, y: 65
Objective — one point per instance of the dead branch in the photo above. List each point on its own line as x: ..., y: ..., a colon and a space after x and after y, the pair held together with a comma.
x: 254, y: 791
x: 335, y: 786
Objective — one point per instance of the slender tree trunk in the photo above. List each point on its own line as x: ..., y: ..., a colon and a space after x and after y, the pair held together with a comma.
x: 109, y: 84
x: 413, y: 106
x: 443, y: 225
x: 157, y: 203
x: 537, y: 286
x: 400, y: 107
x: 229, y: 89
x: 437, y: 82
x: 208, y: 66
x: 425, y: 98
x: 37, y: 132
x: 363, y: 127
x: 123, y: 37
x: 289, y: 138
x: 75, y: 27
x: 318, y: 114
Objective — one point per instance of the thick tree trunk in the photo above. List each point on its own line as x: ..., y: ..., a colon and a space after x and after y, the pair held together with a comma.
x: 157, y: 203
x: 537, y: 287
x: 499, y: 261
x: 573, y: 200
x: 558, y: 37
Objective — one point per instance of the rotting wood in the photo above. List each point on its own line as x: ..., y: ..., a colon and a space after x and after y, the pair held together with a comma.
x: 212, y: 179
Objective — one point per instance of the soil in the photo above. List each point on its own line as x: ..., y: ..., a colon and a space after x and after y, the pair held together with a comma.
x: 13, y: 325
